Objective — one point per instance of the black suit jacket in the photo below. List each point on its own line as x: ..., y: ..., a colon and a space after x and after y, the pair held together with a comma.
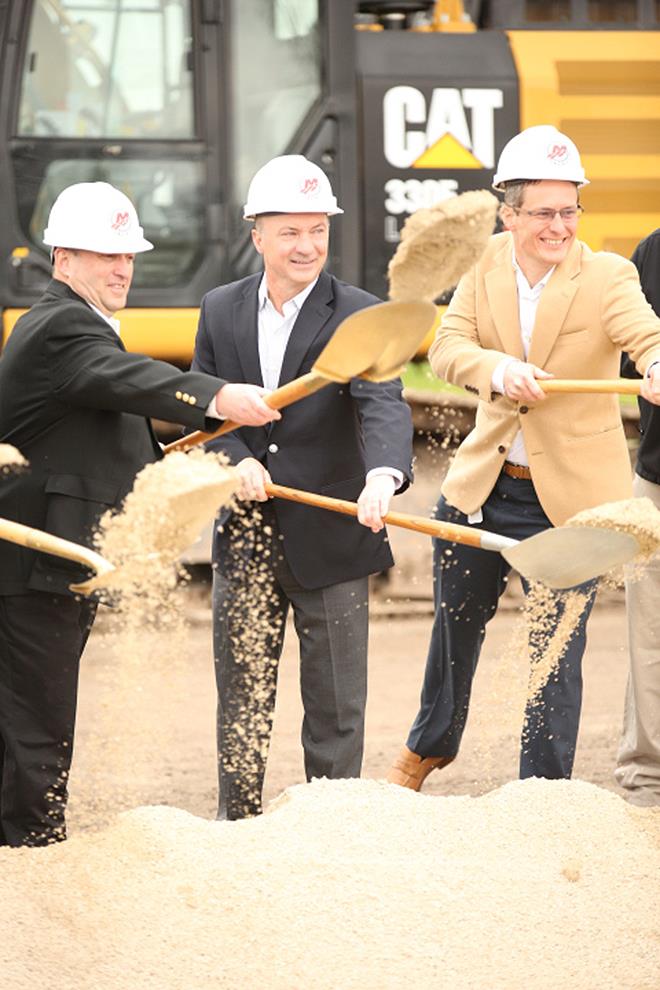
x: 647, y: 259
x: 74, y: 402
x: 324, y: 443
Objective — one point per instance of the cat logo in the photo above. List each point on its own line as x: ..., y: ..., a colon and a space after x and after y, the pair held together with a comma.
x: 442, y: 138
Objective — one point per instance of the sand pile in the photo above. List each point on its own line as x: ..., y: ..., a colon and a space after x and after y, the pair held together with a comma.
x: 11, y: 459
x: 346, y: 884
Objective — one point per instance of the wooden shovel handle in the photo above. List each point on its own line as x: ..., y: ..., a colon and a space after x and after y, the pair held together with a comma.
x: 624, y: 386
x: 444, y: 530
x: 36, y: 539
x: 299, y: 388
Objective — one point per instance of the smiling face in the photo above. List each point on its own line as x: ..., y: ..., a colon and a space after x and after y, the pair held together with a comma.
x: 540, y: 244
x: 101, y: 279
x: 294, y: 247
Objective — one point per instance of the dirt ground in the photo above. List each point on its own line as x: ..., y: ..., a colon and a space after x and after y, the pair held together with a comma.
x: 146, y: 731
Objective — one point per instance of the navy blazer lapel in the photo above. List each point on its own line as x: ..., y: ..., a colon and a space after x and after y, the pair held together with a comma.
x: 246, y: 333
x: 313, y: 317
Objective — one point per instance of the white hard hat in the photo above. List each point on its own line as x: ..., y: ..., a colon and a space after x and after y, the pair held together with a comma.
x: 290, y: 184
x: 540, y: 152
x: 94, y: 216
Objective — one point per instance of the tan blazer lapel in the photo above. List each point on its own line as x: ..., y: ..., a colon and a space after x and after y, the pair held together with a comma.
x: 502, y: 295
x: 553, y: 306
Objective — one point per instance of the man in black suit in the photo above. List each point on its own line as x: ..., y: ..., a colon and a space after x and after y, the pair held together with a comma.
x: 353, y: 441
x: 74, y: 402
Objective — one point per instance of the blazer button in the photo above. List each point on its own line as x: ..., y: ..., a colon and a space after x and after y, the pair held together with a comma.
x: 501, y: 449
x: 192, y: 400
x: 523, y: 409
x: 185, y: 397
x: 178, y: 395
x: 273, y: 448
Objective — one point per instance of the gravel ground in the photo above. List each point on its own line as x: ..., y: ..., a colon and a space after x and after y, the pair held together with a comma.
x: 146, y: 731
x: 146, y: 716
x: 344, y: 884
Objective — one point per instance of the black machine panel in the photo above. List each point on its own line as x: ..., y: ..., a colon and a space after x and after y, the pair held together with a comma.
x: 432, y: 128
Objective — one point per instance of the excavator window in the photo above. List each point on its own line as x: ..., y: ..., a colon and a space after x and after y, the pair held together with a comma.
x: 118, y: 71
x: 276, y: 77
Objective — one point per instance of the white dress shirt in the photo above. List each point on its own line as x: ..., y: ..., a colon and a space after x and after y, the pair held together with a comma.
x: 114, y: 323
x: 274, y: 330
x: 528, y: 302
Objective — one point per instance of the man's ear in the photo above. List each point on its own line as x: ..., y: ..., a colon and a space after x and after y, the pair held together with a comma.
x: 256, y: 240
x: 507, y: 216
x: 61, y: 258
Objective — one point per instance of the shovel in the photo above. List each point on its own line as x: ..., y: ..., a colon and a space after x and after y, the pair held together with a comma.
x: 375, y: 343
x: 36, y: 539
x: 191, y: 506
x: 165, y: 535
x: 624, y: 386
x: 561, y: 557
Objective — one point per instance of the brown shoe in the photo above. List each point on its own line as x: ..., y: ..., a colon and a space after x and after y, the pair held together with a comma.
x: 411, y: 770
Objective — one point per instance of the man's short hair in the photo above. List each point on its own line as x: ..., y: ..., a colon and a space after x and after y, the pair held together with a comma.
x: 514, y: 191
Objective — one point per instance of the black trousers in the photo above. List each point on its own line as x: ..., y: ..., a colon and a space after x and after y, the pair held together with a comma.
x: 468, y: 583
x: 42, y: 637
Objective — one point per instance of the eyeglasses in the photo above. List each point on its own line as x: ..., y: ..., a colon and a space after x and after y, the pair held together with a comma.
x: 547, y: 215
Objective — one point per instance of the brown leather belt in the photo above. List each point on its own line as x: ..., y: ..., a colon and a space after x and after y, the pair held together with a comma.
x: 517, y: 471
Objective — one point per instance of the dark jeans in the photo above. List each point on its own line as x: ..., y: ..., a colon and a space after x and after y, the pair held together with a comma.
x: 468, y: 583
x: 42, y: 637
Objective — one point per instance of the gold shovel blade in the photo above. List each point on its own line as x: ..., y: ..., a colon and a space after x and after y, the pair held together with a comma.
x: 181, y: 516
x: 376, y: 342
x: 404, y: 325
x: 107, y: 580
x: 569, y: 555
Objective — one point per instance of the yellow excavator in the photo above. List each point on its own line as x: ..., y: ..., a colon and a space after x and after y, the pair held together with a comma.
x: 178, y: 102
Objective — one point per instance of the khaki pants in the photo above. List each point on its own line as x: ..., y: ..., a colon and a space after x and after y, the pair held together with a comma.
x: 638, y: 759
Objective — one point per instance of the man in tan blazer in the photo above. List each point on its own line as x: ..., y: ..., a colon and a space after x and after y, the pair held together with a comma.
x: 539, y: 304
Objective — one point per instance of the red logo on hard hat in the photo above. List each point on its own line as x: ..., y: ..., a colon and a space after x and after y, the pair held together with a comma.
x: 309, y: 186
x: 120, y: 221
x: 558, y: 153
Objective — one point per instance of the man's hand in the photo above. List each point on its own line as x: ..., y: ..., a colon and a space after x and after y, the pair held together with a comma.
x: 253, y: 476
x: 374, y: 500
x: 245, y: 404
x: 520, y: 382
x: 651, y: 385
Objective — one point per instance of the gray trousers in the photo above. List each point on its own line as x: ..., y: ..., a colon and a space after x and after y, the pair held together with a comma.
x: 638, y: 759
x: 252, y: 592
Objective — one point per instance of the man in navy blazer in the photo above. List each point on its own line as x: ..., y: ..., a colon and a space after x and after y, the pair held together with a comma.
x: 75, y: 403
x: 352, y: 441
